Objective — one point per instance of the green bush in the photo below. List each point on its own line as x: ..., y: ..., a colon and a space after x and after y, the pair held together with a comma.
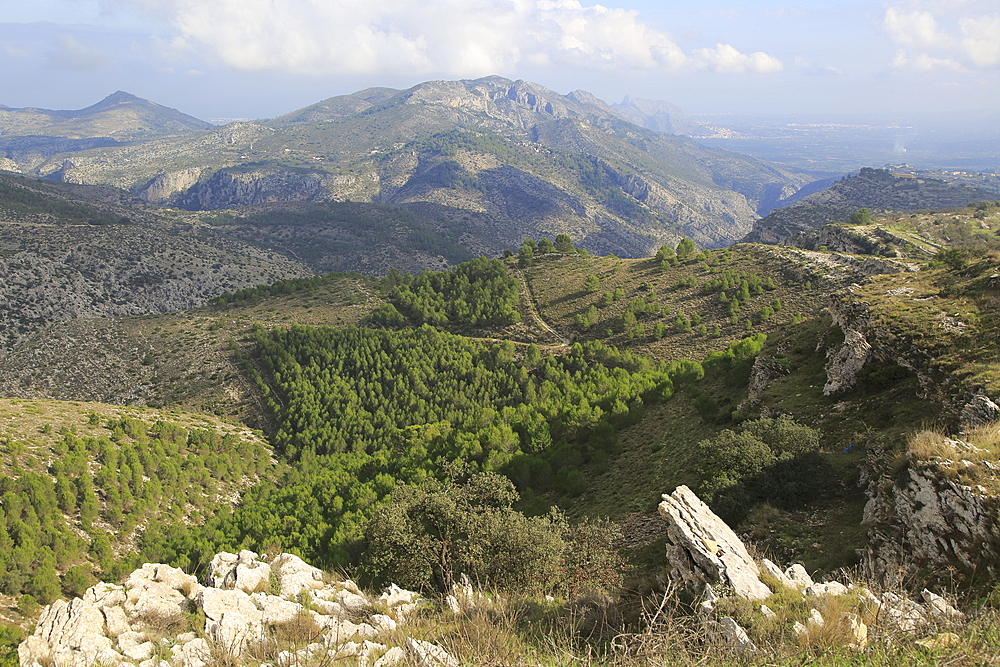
x: 766, y: 460
x: 425, y: 536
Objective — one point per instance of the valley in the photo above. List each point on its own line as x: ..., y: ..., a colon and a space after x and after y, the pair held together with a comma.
x: 482, y: 325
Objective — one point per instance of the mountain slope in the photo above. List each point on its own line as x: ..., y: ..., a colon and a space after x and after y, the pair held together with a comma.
x: 525, y: 159
x: 875, y: 189
x: 120, y: 116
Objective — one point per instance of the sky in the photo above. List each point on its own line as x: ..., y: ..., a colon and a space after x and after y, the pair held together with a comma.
x: 218, y: 59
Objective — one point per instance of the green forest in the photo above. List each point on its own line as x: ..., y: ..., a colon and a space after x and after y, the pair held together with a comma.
x: 108, y: 486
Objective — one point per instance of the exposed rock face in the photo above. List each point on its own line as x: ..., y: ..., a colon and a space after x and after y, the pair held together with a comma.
x: 247, y: 186
x: 163, y: 187
x: 865, y: 342
x: 151, y: 615
x: 921, y: 520
x: 703, y: 549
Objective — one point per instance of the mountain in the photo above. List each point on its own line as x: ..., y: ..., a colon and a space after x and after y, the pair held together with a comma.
x: 657, y: 115
x: 509, y: 156
x: 120, y: 116
x: 874, y: 189
x: 30, y: 136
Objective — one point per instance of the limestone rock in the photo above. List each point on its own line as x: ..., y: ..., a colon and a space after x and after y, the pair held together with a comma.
x: 134, y: 646
x: 829, y: 588
x: 164, y: 185
x: 158, y: 593
x: 798, y: 576
x: 425, y: 654
x: 68, y: 634
x: 941, y: 608
x: 391, y: 658
x: 194, y: 653
x: 353, y: 603
x: 233, y: 623
x: 115, y: 621
x: 275, y: 610
x: 296, y: 575
x: 244, y: 571
x: 105, y: 595
x: 980, y: 411
x: 844, y: 365
x: 393, y: 596
x: 939, y: 641
x: 729, y: 634
x: 703, y: 549
x: 855, y: 630
x: 775, y: 571
x: 382, y: 623
x: 902, y: 614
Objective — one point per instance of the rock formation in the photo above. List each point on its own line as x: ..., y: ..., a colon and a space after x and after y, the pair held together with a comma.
x: 703, y: 549
x: 282, y: 612
x: 705, y: 554
x: 922, y: 517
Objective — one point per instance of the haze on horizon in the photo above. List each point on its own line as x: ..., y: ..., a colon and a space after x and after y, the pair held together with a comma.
x: 258, y: 58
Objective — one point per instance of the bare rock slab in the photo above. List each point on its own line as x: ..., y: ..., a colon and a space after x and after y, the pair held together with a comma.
x: 703, y: 549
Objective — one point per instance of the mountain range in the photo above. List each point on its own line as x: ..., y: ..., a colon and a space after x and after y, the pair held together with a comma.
x: 510, y: 156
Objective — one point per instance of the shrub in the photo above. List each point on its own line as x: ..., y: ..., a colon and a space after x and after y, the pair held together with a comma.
x: 427, y: 535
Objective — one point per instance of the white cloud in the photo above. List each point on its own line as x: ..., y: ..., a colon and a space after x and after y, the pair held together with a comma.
x: 72, y: 54
x: 805, y: 66
x: 451, y: 37
x: 924, y: 63
x: 981, y: 41
x: 915, y: 28
x: 726, y: 59
x: 945, y: 34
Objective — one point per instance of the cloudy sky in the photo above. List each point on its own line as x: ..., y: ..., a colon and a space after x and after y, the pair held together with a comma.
x: 260, y: 58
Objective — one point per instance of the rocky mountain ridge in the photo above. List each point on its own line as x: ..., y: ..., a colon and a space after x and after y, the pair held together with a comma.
x: 874, y: 189
x: 523, y: 156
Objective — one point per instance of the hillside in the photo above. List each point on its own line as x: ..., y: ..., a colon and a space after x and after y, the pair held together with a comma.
x: 119, y: 116
x: 82, y: 482
x: 786, y: 385
x: 510, y: 156
x: 873, y: 189
x: 81, y: 252
x: 70, y: 253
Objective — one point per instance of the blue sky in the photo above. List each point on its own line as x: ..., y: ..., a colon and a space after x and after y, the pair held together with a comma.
x: 260, y: 58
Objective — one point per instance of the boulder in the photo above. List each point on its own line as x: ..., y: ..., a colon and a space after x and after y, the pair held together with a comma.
x: 296, y: 576
x: 775, y: 571
x: 703, y: 549
x: 275, y: 610
x: 856, y: 632
x: 829, y: 588
x: 193, y: 653
x: 157, y: 594
x: 728, y: 633
x: 68, y: 634
x: 425, y: 654
x: 244, y: 571
x: 391, y: 658
x: 233, y: 622
x: 798, y: 576
x: 941, y: 608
